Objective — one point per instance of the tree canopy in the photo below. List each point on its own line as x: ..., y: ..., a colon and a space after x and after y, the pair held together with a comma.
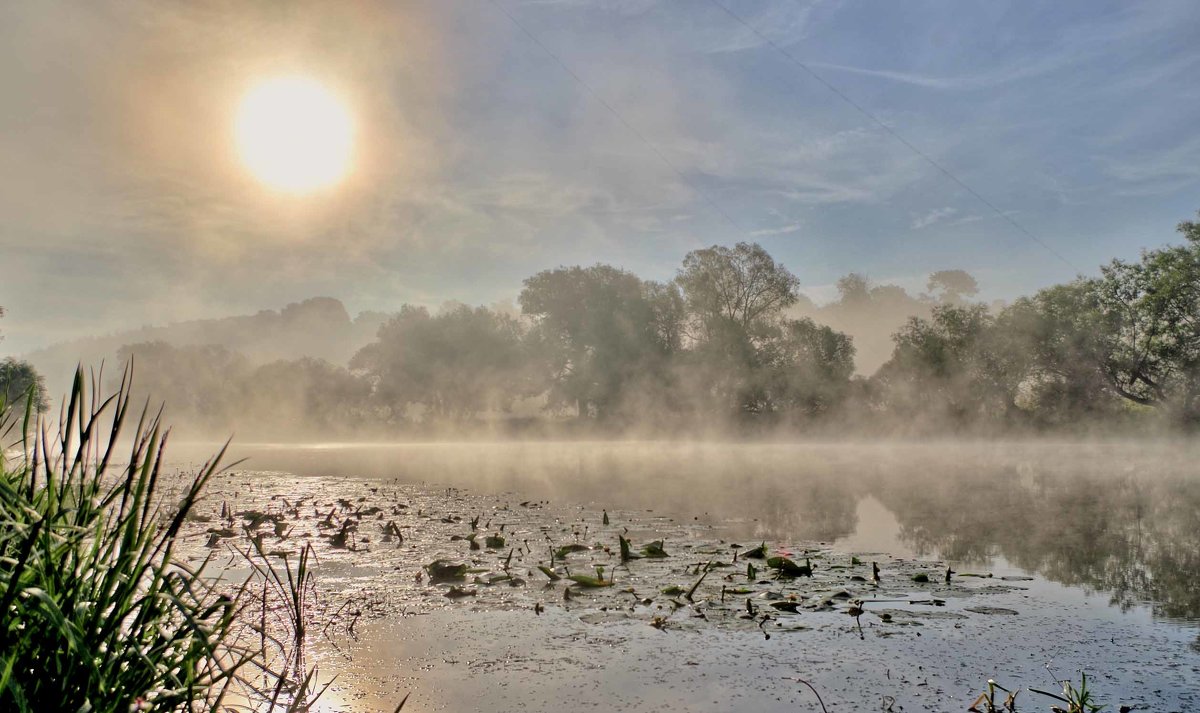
x: 730, y: 340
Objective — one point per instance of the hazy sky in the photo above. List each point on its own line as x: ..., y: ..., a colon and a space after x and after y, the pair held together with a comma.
x: 662, y: 126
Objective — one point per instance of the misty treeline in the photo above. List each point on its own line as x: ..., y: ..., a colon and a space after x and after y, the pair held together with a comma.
x: 730, y: 343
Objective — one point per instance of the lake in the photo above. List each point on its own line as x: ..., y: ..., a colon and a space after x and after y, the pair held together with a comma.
x: 1071, y: 555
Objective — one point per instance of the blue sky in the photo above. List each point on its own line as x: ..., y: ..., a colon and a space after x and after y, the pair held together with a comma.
x: 624, y: 131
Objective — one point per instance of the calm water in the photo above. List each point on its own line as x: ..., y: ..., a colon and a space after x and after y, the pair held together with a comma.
x: 1119, y: 519
x: 1109, y: 533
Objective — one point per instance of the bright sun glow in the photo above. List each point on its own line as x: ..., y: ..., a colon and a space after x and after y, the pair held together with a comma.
x: 294, y: 134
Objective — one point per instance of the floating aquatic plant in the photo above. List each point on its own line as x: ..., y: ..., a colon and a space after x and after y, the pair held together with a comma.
x: 565, y: 550
x: 443, y: 571
x: 784, y: 567
x: 654, y: 549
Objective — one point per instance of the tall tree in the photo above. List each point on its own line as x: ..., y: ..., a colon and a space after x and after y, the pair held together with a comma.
x: 954, y: 367
x: 952, y: 286
x: 600, y: 331
x: 200, y: 385
x: 1063, y: 334
x: 808, y: 368
x: 741, y: 286
x: 1133, y: 332
x: 1152, y: 308
x: 454, y: 364
x: 304, y: 396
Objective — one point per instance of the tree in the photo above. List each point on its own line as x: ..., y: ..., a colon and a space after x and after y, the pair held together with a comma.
x: 808, y: 368
x: 955, y: 367
x: 1151, y: 355
x: 600, y: 331
x: 1133, y: 332
x: 952, y: 286
x: 304, y: 396
x: 200, y: 385
x: 454, y: 364
x: 1062, y: 333
x: 741, y: 286
x: 735, y: 299
x: 18, y: 382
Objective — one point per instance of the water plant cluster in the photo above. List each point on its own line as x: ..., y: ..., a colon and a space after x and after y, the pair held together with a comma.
x: 388, y: 548
x: 1074, y: 699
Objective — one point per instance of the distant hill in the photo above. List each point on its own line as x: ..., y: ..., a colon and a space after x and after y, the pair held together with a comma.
x: 319, y: 327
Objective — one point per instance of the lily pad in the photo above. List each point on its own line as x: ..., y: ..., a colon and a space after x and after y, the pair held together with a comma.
x: 787, y: 568
x: 562, y: 552
x: 443, y: 571
x: 584, y: 580
x: 991, y: 610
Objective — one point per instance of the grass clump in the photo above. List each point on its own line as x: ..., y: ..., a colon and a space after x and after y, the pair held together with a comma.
x: 97, y: 611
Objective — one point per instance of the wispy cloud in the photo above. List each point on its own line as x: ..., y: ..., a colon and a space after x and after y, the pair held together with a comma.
x: 934, y: 216
x: 781, y: 230
x: 781, y: 23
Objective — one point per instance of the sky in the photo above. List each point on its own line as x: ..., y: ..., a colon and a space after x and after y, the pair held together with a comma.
x: 497, y: 138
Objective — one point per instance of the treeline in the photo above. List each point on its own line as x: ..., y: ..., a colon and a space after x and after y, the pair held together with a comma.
x: 729, y: 343
x: 318, y: 327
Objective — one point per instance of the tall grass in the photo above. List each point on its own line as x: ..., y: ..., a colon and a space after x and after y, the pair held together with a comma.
x: 97, y: 610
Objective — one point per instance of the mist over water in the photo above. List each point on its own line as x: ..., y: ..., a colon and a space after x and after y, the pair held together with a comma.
x: 1120, y: 518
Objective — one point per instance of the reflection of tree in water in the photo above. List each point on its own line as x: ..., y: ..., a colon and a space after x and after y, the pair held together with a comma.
x: 820, y: 508
x: 1120, y: 519
x: 1135, y: 536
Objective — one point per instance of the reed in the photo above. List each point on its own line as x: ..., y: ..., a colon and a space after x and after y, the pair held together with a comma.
x: 97, y: 610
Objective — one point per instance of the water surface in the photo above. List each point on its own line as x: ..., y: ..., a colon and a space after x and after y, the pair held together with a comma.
x: 1108, y: 533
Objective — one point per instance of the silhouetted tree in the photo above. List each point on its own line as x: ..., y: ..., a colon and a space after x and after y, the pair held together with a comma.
x: 600, y: 330
x: 741, y: 286
x: 735, y: 299
x: 953, y: 367
x: 454, y: 364
x: 18, y: 382
x: 305, y: 396
x: 199, y: 385
x: 952, y: 286
x: 810, y: 367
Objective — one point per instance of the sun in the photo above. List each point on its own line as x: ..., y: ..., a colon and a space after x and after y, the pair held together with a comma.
x: 294, y: 134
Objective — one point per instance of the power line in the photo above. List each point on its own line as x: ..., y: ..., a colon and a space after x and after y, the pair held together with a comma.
x: 632, y: 129
x: 895, y: 134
